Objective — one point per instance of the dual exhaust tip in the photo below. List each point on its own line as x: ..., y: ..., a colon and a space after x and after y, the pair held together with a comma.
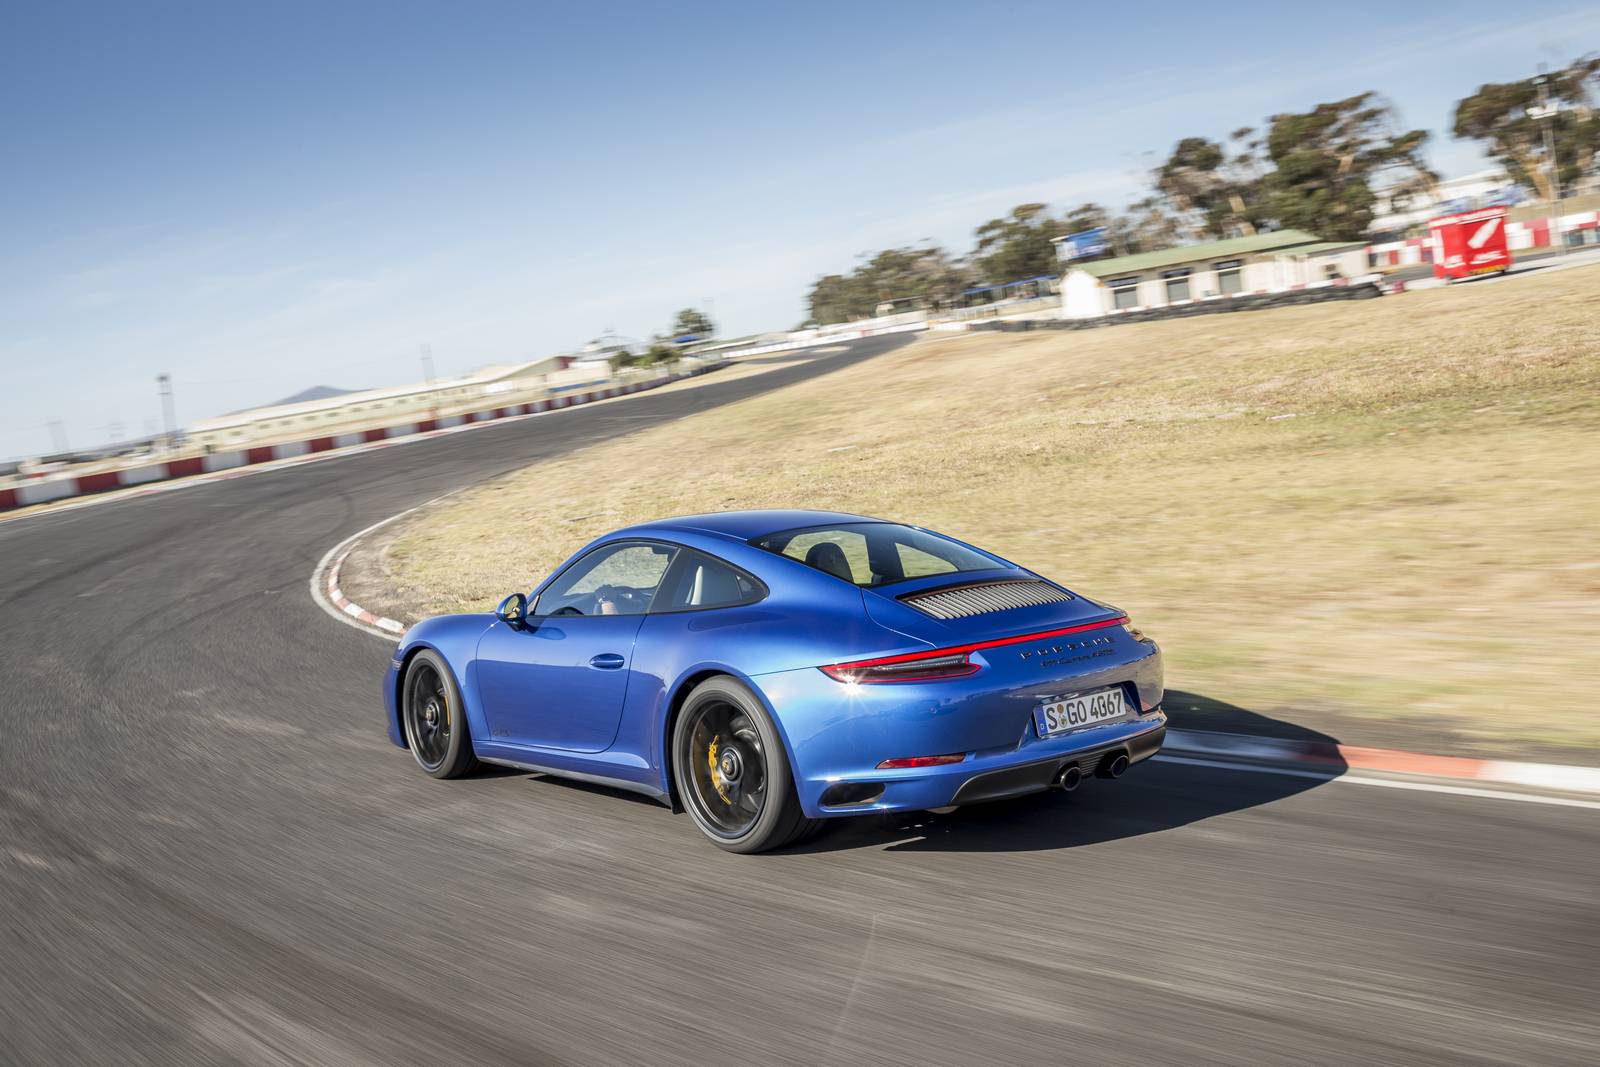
x: 1071, y: 776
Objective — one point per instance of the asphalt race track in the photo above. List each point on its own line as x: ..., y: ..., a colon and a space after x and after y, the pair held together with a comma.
x: 209, y: 854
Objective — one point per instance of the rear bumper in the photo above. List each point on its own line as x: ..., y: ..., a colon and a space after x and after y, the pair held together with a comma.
x: 838, y: 734
x: 981, y: 777
x: 1038, y: 775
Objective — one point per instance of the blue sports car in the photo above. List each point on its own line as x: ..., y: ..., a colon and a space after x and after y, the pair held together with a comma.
x: 768, y: 670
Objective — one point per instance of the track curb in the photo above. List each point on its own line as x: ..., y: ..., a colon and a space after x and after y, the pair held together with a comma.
x: 1559, y: 777
x: 331, y: 598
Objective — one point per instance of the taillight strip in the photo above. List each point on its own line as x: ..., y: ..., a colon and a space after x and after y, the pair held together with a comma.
x: 977, y: 646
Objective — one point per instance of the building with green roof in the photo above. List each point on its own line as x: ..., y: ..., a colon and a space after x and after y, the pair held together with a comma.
x: 1216, y: 270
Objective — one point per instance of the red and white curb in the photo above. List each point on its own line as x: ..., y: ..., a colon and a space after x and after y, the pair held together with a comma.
x: 195, y: 470
x: 1321, y: 759
x: 153, y: 488
x: 330, y: 597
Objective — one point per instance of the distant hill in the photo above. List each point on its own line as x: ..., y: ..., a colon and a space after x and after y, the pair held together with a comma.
x: 316, y: 392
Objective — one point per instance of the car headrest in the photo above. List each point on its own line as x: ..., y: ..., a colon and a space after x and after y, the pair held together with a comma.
x: 713, y: 586
x: 829, y: 557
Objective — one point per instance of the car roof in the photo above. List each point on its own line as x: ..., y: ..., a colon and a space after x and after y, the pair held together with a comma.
x: 745, y: 525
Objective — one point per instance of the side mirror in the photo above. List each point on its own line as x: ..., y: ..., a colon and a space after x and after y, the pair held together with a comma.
x: 513, y: 610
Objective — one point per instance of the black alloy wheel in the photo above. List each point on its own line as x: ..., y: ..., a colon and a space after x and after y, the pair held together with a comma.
x: 435, y: 727
x: 428, y: 717
x: 727, y: 767
x: 731, y: 772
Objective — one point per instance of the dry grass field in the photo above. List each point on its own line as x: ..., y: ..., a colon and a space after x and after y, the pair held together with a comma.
x: 1383, y: 511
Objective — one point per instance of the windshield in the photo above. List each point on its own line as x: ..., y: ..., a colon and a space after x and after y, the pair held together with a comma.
x: 875, y: 553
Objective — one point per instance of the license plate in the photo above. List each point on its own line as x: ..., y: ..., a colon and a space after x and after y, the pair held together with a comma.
x: 1085, y: 709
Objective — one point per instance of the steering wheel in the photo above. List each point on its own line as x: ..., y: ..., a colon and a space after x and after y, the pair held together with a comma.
x: 618, y: 594
x: 594, y: 602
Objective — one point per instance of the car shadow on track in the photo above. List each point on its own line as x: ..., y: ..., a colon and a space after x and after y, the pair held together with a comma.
x: 595, y: 789
x: 1153, y: 796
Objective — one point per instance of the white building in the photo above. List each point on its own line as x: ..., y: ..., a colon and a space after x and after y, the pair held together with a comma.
x: 377, y: 407
x: 1241, y: 266
x: 1397, y: 210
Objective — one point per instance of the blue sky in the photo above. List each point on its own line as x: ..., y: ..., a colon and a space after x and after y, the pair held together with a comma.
x: 260, y: 197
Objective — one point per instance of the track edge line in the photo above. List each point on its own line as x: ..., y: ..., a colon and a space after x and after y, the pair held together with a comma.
x: 327, y: 594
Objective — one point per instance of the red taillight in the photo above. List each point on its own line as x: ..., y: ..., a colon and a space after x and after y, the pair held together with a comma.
x: 938, y: 663
x: 897, y: 669
x: 921, y: 761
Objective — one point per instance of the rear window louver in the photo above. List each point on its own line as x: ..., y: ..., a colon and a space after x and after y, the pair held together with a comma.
x: 981, y: 598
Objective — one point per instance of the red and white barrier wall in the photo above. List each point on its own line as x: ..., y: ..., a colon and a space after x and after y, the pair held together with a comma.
x: 1521, y: 236
x: 46, y: 489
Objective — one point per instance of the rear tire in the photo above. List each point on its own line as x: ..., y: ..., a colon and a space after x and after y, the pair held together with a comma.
x: 731, y: 771
x: 434, y: 718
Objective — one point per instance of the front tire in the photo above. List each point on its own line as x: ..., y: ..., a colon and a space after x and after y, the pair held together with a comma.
x: 731, y: 771
x: 434, y: 718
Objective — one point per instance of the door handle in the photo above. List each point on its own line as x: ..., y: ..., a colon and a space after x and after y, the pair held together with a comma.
x: 607, y: 661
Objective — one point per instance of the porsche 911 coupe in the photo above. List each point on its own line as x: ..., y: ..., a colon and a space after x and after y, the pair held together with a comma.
x: 766, y: 671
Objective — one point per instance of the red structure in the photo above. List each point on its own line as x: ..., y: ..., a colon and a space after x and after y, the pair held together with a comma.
x: 1469, y: 244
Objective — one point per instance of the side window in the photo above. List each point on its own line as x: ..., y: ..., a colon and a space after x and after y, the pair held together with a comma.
x: 615, y: 579
x: 700, y: 581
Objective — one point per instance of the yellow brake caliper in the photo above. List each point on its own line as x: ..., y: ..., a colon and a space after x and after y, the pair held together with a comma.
x: 716, y: 773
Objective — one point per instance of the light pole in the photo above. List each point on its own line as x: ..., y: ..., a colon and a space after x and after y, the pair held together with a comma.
x: 58, y: 436
x: 169, y: 415
x: 1546, y: 112
x: 427, y: 377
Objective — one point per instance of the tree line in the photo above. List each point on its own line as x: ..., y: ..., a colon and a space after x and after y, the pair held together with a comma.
x: 664, y: 349
x: 1317, y: 170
